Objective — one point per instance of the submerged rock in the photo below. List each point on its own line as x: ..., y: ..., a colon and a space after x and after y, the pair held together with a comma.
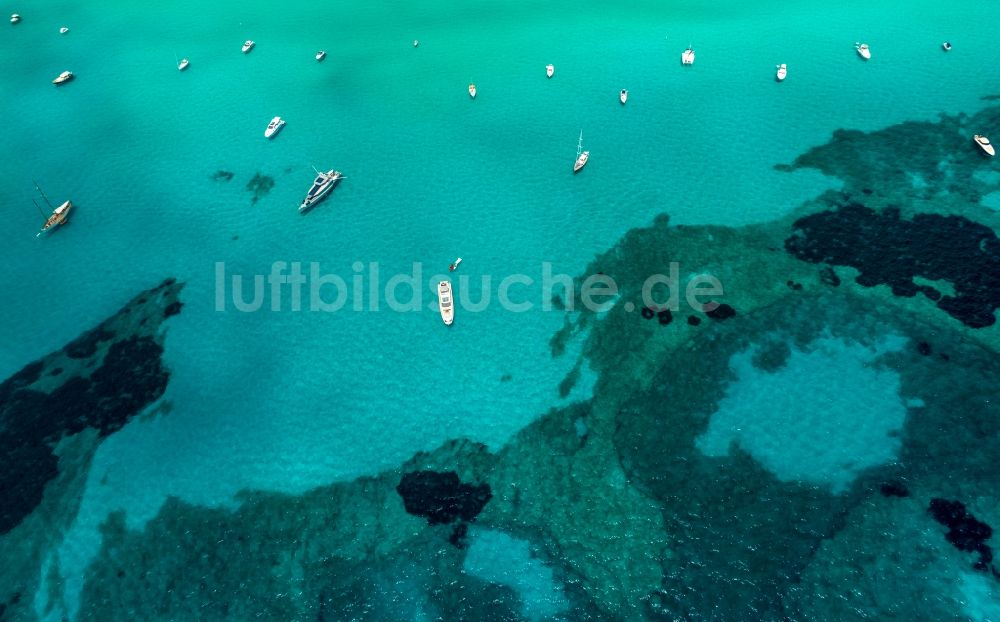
x: 964, y: 532
x: 110, y: 374
x: 442, y: 497
x: 888, y: 250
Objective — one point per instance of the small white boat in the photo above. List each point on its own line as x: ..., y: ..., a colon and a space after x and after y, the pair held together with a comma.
x: 416, y: 43
x: 65, y: 76
x: 782, y: 72
x: 63, y: 30
x: 454, y: 265
x: 581, y: 155
x: 320, y: 55
x: 446, y: 302
x: 472, y: 91
x: 181, y: 66
x: 687, y: 57
x: 248, y: 45
x: 550, y: 70
x: 321, y: 187
x: 984, y: 144
x: 946, y: 46
x: 863, y: 50
x: 15, y: 18
x: 274, y: 127
x: 623, y: 96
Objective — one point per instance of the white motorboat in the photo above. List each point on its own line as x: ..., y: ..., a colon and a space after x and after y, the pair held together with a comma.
x: 446, y: 302
x: 782, y: 72
x: 248, y: 45
x: 321, y: 187
x: 65, y: 76
x: 623, y: 96
x: 274, y: 127
x: 550, y: 70
x: 63, y: 30
x: 687, y: 57
x: 15, y: 18
x: 454, y: 265
x: 863, y: 50
x: 984, y: 144
x: 472, y: 91
x: 581, y: 155
x: 416, y: 43
x: 320, y: 55
x: 181, y: 66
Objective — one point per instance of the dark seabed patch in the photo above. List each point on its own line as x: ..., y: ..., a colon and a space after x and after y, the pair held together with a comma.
x: 442, y: 497
x: 259, y: 185
x: 888, y: 250
x: 111, y: 373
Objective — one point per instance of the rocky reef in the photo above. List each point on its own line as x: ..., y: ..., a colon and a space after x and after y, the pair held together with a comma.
x: 53, y: 415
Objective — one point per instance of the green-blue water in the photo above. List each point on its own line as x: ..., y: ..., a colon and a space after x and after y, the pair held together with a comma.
x: 286, y: 401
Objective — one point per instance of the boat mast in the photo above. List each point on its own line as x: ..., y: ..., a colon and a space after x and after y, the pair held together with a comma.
x: 43, y: 195
x: 579, y: 145
x: 39, y: 209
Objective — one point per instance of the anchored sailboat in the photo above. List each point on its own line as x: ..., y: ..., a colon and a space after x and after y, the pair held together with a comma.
x: 58, y: 216
x: 581, y: 155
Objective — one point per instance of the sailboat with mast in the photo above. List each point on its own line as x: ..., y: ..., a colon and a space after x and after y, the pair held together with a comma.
x: 58, y: 216
x: 581, y: 155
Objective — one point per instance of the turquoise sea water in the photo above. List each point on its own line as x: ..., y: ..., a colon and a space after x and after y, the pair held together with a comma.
x: 286, y: 401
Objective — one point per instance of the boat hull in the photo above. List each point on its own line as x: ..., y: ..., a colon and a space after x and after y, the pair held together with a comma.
x: 581, y: 161
x: 987, y: 147
x: 472, y: 91
x: 446, y: 303
x: 623, y: 97
x: 782, y: 72
x: 550, y: 70
x: 273, y: 127
x: 58, y: 218
x: 687, y: 57
x: 334, y: 178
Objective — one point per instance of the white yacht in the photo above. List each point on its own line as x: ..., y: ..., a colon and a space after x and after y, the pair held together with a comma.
x: 320, y: 55
x: 946, y: 46
x: 248, y: 45
x: 321, y: 187
x: 623, y: 96
x: 550, y: 70
x: 65, y: 76
x: 454, y: 265
x: 782, y: 72
x: 446, y: 302
x: 863, y: 50
x: 687, y: 57
x: 581, y: 155
x: 984, y: 144
x: 274, y: 127
x: 416, y: 43
x: 15, y: 18
x: 181, y: 66
x: 472, y: 91
x: 63, y: 30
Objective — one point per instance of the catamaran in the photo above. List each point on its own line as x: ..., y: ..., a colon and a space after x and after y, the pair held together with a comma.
x: 581, y: 155
x: 58, y: 216
x: 15, y: 18
x: 446, y: 302
x: 321, y: 187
